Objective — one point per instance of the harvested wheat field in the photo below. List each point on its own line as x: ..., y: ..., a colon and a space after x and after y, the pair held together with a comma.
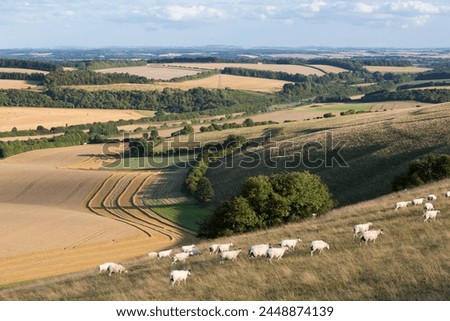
x: 291, y: 69
x: 154, y: 71
x: 18, y: 84
x: 65, y: 219
x: 29, y: 117
x: 394, y: 69
x: 23, y: 70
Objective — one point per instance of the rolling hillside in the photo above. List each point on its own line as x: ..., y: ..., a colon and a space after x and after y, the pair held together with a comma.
x: 408, y: 262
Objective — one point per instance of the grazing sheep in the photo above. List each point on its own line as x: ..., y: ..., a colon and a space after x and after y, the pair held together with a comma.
x: 224, y: 247
x: 418, y: 201
x: 290, y: 244
x: 430, y: 215
x: 116, y: 268
x: 178, y: 276
x: 187, y: 248
x: 370, y: 236
x: 195, y: 252
x: 165, y: 253
x: 180, y: 257
x: 447, y: 194
x: 403, y: 204
x: 213, y: 248
x: 275, y: 252
x: 314, y: 215
x: 104, y: 267
x: 361, y: 228
x: 229, y: 255
x: 258, y: 250
x: 428, y: 206
x: 432, y: 197
x: 152, y: 255
x: 318, y: 245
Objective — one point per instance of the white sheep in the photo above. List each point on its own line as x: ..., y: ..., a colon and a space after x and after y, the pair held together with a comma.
x: 418, y: 201
x: 431, y: 215
x: 181, y: 257
x: 178, y: 276
x: 152, y: 255
x: 258, y: 250
x: 428, y: 206
x: 318, y: 245
x: 229, y: 255
x: 104, y: 267
x: 275, y: 252
x: 116, y: 268
x: 403, y: 204
x: 165, y: 253
x: 370, y: 236
x: 361, y: 228
x: 187, y: 248
x: 224, y: 247
x: 447, y: 194
x: 432, y: 197
x: 213, y: 248
x: 195, y: 252
x: 290, y: 244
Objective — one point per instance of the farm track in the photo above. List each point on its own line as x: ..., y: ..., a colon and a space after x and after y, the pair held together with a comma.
x: 117, y: 198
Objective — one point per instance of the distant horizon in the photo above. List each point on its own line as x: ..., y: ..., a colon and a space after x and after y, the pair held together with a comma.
x: 284, y: 23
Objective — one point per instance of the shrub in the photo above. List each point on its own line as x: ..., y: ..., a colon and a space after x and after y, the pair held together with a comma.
x: 204, y: 191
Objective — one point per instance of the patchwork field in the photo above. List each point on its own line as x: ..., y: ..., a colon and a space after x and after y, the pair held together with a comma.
x: 292, y: 69
x: 154, y: 71
x: 18, y: 84
x: 213, y: 82
x: 64, y: 218
x: 30, y: 118
x: 22, y: 70
x: 394, y: 69
x: 328, y: 68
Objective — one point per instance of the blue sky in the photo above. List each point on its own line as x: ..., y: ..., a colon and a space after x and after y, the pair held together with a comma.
x: 100, y: 23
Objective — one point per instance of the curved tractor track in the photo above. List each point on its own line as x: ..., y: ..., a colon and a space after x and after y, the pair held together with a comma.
x: 117, y: 197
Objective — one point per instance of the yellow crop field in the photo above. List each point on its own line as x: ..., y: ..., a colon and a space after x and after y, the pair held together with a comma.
x: 18, y: 84
x: 154, y: 71
x: 291, y: 69
x: 22, y: 70
x: 394, y: 69
x: 30, y: 118
x: 213, y: 82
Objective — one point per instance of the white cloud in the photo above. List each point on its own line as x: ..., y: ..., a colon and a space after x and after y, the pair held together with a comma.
x: 365, y: 8
x: 180, y: 13
x: 420, y: 21
x: 418, y: 6
x: 315, y: 6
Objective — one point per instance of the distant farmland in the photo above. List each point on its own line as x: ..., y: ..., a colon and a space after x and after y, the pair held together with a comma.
x: 213, y: 82
x: 22, y: 70
x: 154, y: 71
x: 394, y: 69
x: 18, y: 84
x: 292, y: 69
x: 30, y: 118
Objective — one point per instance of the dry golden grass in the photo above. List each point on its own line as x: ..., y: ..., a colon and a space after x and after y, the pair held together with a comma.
x: 154, y: 71
x: 18, y: 84
x: 25, y: 71
x: 213, y: 82
x: 328, y: 68
x: 409, y: 262
x: 30, y: 117
x: 394, y: 69
x: 292, y: 69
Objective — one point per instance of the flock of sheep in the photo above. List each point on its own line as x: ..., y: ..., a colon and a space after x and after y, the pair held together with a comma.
x: 225, y: 252
x: 429, y: 213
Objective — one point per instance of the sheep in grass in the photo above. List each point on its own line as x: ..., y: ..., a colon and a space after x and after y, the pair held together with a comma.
x: 180, y: 257
x: 187, y: 248
x: 432, y: 197
x: 361, y: 228
x: 176, y: 276
x: 290, y: 244
x: 229, y: 255
x: 403, y: 204
x: 258, y: 250
x: 418, y: 201
x: 116, y: 268
x: 275, y: 252
x: 318, y: 245
x: 428, y: 206
x: 370, y: 236
x: 430, y: 215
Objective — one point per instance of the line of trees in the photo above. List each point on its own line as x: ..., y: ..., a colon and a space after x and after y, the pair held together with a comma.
x: 30, y: 64
x: 86, y: 77
x: 22, y: 76
x: 424, y: 95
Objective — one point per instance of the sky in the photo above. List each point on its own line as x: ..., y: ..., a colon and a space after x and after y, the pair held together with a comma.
x: 252, y: 23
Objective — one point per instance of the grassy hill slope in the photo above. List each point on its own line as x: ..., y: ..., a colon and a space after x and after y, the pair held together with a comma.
x: 375, y: 146
x: 409, y: 262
